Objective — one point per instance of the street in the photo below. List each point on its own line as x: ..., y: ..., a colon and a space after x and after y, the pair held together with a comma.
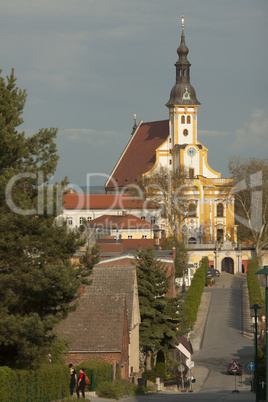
x: 223, y: 339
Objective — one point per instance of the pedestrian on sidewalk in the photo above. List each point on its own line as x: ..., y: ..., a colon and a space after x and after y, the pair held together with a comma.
x: 81, y: 384
x: 73, y: 379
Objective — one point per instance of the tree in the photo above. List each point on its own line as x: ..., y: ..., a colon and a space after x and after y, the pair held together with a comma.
x: 251, y: 201
x: 38, y: 283
x: 165, y: 188
x: 181, y: 254
x: 158, y: 312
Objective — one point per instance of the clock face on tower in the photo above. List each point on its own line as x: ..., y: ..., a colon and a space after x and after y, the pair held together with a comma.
x: 191, y: 152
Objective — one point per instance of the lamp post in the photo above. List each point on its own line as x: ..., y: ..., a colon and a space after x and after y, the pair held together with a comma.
x: 264, y: 271
x: 256, y: 307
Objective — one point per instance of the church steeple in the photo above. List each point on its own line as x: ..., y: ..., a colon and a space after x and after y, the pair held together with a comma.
x: 183, y: 92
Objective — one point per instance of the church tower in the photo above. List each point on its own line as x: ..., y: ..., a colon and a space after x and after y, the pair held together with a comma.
x: 184, y: 147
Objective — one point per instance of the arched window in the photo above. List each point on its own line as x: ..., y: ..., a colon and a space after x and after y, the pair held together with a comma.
x: 192, y: 240
x: 220, y: 210
x: 220, y: 235
x: 182, y: 119
x: 184, y: 73
x: 192, y: 210
x: 185, y: 132
x: 179, y: 72
x: 188, y: 119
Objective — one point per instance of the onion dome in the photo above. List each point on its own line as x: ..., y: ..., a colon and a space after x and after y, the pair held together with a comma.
x: 183, y: 92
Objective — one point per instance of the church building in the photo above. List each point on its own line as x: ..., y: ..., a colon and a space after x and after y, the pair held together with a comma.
x: 173, y: 144
x: 209, y: 230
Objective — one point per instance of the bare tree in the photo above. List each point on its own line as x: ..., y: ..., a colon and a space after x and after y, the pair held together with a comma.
x: 251, y: 201
x: 166, y: 189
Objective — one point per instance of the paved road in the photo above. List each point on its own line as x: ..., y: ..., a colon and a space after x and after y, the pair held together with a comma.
x: 223, y: 338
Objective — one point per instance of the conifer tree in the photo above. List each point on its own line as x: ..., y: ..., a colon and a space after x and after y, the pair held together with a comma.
x: 158, y: 312
x: 38, y: 284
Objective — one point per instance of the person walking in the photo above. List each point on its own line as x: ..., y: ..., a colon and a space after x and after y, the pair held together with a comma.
x: 81, y: 384
x: 73, y: 379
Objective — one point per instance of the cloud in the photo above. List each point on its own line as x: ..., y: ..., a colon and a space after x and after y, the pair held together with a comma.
x: 213, y: 133
x: 90, y: 136
x: 254, y: 134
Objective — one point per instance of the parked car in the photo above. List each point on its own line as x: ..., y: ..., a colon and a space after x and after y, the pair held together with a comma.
x: 214, y: 272
x: 234, y: 368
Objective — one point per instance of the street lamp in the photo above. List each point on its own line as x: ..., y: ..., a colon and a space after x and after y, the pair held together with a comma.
x: 264, y: 271
x: 256, y: 307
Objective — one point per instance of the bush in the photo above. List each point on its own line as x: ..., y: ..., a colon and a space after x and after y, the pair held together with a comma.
x: 118, y: 389
x: 7, y: 376
x: 254, y: 289
x: 49, y: 382
x: 193, y: 297
x: 97, y: 372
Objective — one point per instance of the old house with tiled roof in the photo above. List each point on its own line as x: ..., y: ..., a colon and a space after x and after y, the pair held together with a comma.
x: 126, y: 226
x: 105, y: 325
x: 87, y: 207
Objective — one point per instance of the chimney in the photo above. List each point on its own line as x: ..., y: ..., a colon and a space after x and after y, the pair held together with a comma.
x: 174, y: 253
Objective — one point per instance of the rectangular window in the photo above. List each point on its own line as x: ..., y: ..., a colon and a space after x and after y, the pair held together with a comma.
x: 152, y: 219
x: 81, y: 220
x: 196, y: 265
x: 191, y: 173
x: 170, y: 162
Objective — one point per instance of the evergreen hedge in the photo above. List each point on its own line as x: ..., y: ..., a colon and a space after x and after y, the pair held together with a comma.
x: 97, y: 372
x: 254, y: 289
x: 193, y: 297
x: 48, y: 383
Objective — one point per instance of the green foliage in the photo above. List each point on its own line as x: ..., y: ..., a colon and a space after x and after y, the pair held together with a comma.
x: 7, y: 376
x: 158, y: 313
x: 210, y: 281
x: 254, y: 289
x: 38, y: 284
x: 181, y: 253
x: 96, y: 371
x: 193, y: 297
x: 49, y: 382
x: 119, y: 389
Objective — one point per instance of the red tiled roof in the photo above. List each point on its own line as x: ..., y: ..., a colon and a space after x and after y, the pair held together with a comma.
x: 139, y: 156
x: 121, y: 222
x: 116, y: 247
x: 139, y: 244
x: 101, y: 201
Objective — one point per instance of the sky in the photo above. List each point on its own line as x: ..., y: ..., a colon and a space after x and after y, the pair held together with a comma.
x: 89, y: 65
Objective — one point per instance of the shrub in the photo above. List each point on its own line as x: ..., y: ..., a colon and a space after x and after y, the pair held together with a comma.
x: 49, y: 382
x: 254, y: 289
x: 97, y: 372
x: 118, y: 389
x: 193, y: 297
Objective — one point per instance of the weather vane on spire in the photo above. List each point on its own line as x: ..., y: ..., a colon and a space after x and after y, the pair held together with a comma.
x: 182, y: 22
